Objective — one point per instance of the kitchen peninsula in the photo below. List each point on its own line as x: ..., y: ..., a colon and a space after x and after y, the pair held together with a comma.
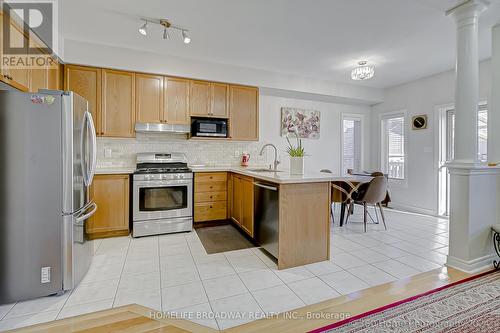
x: 302, y: 209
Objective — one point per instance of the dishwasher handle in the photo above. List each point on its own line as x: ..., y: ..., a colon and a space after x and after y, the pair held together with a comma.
x: 267, y: 187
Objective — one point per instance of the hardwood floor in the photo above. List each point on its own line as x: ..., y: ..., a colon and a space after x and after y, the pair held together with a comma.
x: 137, y: 318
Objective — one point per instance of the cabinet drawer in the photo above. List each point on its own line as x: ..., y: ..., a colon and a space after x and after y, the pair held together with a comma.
x: 208, y: 177
x: 210, y: 187
x: 210, y: 211
x: 210, y: 196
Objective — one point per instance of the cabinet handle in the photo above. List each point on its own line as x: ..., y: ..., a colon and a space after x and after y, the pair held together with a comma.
x: 211, y: 197
x: 211, y: 206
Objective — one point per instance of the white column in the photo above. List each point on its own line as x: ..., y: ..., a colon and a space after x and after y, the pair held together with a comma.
x: 466, y: 18
x: 473, y: 187
x: 494, y: 102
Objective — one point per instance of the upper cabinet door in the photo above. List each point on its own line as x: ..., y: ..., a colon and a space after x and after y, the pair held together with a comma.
x: 55, y: 77
x: 118, y: 103
x: 176, y: 110
x: 199, y: 103
x: 244, y: 113
x: 220, y: 100
x: 39, y: 78
x: 17, y: 77
x: 86, y: 82
x: 149, y: 98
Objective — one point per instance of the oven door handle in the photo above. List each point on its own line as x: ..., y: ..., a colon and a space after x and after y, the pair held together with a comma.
x: 161, y: 183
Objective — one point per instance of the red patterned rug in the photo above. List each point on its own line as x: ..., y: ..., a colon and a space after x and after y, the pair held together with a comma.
x: 471, y: 305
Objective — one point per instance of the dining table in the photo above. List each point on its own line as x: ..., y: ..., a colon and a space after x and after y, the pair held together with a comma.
x: 343, y: 188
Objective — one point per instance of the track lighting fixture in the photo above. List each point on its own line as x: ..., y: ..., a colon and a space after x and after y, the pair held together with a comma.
x: 186, y: 37
x: 166, y: 35
x: 143, y: 30
x: 167, y: 25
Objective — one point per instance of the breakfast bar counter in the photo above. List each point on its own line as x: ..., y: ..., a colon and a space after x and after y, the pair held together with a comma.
x: 300, y: 225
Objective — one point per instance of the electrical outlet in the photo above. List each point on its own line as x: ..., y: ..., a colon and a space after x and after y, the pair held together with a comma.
x: 236, y: 153
x: 45, y: 275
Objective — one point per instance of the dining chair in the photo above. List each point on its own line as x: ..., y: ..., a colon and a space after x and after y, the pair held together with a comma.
x: 374, y: 194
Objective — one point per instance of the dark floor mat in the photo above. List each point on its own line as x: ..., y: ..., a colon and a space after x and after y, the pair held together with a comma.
x: 222, y: 238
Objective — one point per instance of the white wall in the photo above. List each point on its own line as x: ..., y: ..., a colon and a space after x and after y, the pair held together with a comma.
x: 323, y: 153
x: 422, y: 96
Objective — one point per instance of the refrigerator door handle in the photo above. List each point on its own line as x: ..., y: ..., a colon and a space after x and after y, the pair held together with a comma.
x: 83, y: 156
x: 80, y: 219
x: 93, y: 145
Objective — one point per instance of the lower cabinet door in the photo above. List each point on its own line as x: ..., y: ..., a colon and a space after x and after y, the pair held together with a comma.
x: 111, y: 194
x: 247, y: 206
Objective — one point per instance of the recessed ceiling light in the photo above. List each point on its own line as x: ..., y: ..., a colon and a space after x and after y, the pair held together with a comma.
x: 363, y: 71
x: 186, y: 37
x: 143, y: 30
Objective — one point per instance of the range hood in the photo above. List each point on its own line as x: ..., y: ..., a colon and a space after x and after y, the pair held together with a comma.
x: 161, y: 128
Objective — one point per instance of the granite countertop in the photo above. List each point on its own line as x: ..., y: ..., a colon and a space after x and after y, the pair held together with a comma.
x: 114, y: 170
x: 282, y: 177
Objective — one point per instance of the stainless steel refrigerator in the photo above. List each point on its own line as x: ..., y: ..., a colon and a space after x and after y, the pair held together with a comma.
x: 47, y: 162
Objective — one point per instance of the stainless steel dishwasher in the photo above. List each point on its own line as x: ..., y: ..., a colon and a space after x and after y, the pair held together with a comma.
x: 266, y: 215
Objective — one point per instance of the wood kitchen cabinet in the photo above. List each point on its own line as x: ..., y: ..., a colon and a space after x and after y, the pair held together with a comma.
x: 176, y: 110
x: 149, y: 98
x: 244, y: 113
x: 118, y: 103
x: 242, y: 203
x: 210, y: 196
x: 199, y: 98
x: 219, y: 100
x: 209, y: 99
x: 19, y: 77
x: 86, y: 82
x: 111, y: 194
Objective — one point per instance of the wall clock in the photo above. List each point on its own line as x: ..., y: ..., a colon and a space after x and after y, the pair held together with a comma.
x: 419, y: 122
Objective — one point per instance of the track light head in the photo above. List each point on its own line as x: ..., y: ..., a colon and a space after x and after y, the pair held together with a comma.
x: 185, y: 37
x: 166, y: 35
x: 143, y: 30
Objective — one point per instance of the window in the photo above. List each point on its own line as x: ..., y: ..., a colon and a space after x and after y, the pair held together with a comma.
x: 482, y: 133
x: 351, y: 144
x: 393, y: 146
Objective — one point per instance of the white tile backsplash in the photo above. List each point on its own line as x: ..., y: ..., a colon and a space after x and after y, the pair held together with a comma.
x: 122, y: 152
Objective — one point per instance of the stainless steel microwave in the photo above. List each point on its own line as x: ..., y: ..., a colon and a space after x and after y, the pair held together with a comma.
x: 209, y: 127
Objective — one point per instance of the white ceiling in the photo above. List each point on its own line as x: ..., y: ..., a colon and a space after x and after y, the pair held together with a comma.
x: 404, y: 39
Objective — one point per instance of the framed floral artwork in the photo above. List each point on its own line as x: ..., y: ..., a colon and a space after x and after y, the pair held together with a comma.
x: 306, y: 123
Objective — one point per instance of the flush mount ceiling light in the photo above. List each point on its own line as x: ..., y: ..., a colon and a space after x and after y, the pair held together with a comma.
x: 166, y: 26
x: 363, y: 71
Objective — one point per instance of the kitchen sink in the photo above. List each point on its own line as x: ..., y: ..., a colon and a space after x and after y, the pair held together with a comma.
x: 263, y: 170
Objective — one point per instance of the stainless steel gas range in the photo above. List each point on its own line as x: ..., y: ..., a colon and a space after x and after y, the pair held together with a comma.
x: 162, y: 194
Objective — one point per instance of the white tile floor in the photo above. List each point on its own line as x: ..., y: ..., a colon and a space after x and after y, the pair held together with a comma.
x: 173, y: 273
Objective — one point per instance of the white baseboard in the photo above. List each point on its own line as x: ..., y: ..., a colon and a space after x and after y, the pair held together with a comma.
x: 471, y: 266
x: 409, y: 208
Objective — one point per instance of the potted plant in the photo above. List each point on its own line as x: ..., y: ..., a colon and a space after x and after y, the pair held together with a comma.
x: 296, y: 156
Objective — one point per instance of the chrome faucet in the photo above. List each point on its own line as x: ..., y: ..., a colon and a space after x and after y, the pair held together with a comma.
x: 276, y: 162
